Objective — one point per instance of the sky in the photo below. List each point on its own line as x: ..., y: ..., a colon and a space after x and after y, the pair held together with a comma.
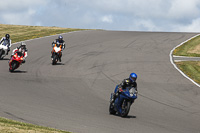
x: 123, y: 15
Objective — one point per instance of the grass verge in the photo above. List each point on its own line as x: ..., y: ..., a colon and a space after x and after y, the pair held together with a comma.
x: 191, y: 69
x: 10, y: 126
x: 190, y: 48
x: 20, y: 33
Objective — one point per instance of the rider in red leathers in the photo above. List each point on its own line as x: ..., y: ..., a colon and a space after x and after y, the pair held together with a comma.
x: 22, y: 48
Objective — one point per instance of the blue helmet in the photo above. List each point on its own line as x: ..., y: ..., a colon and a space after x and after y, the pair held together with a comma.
x: 133, y: 77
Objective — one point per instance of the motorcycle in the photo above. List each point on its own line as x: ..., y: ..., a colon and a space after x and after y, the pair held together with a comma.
x: 15, y: 61
x: 56, y: 53
x: 3, y: 51
x: 123, y: 101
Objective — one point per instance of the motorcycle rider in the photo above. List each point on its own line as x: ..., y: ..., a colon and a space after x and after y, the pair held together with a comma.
x: 61, y: 42
x: 22, y: 48
x: 6, y: 41
x: 129, y: 82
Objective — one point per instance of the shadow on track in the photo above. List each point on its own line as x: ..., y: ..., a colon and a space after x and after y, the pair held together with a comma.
x: 129, y: 116
x: 59, y: 64
x: 18, y: 71
x: 5, y: 59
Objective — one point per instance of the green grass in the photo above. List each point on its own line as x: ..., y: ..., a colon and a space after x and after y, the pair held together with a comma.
x: 191, y: 69
x: 20, y: 33
x: 10, y: 126
x: 184, y: 49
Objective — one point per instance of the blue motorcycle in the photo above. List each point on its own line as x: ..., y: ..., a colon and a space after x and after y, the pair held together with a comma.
x: 122, y: 103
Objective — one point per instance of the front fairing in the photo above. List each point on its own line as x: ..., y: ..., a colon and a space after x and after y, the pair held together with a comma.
x: 3, y: 47
x: 128, y: 94
x: 57, y: 48
x: 17, y: 57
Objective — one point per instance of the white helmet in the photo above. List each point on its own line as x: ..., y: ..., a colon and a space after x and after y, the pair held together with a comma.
x: 23, y: 45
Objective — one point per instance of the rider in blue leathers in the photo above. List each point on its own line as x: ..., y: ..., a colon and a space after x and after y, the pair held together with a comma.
x: 129, y: 82
x: 6, y: 41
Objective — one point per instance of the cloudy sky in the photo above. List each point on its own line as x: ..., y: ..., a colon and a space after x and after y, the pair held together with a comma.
x: 129, y: 15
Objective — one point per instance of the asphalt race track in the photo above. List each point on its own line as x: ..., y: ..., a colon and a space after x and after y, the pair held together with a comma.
x: 74, y: 95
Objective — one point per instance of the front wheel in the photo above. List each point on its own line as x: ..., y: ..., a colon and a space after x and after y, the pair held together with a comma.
x: 11, y: 70
x: 12, y: 67
x: 125, y: 108
x: 54, y: 60
x: 112, y: 108
x: 1, y: 53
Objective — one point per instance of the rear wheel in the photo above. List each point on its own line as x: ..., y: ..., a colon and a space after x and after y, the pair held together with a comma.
x: 125, y: 108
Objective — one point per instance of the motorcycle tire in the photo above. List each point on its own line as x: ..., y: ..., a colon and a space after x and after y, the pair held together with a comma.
x: 1, y: 53
x: 112, y: 109
x: 11, y: 70
x: 13, y: 67
x: 54, y: 61
x: 125, y: 108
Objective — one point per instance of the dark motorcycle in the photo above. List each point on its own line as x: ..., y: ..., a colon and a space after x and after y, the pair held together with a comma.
x: 122, y: 102
x: 56, y: 53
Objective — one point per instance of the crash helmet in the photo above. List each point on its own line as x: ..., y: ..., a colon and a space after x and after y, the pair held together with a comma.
x: 23, y: 45
x: 133, y: 77
x: 60, y: 38
x: 7, y: 36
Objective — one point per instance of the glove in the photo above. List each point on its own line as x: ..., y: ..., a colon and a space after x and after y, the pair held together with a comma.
x: 23, y: 60
x: 120, y: 90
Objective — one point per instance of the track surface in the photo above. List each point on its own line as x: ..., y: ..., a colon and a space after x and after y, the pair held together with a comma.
x: 74, y: 95
x: 185, y: 58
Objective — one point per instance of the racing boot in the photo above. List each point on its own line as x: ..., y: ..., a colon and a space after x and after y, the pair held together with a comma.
x: 59, y: 59
x: 7, y: 51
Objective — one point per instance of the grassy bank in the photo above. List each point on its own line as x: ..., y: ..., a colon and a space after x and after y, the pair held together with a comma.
x: 191, y: 69
x: 190, y: 48
x: 10, y: 126
x: 20, y: 33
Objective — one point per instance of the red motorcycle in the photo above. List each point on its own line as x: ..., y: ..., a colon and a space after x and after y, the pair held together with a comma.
x: 15, y: 61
